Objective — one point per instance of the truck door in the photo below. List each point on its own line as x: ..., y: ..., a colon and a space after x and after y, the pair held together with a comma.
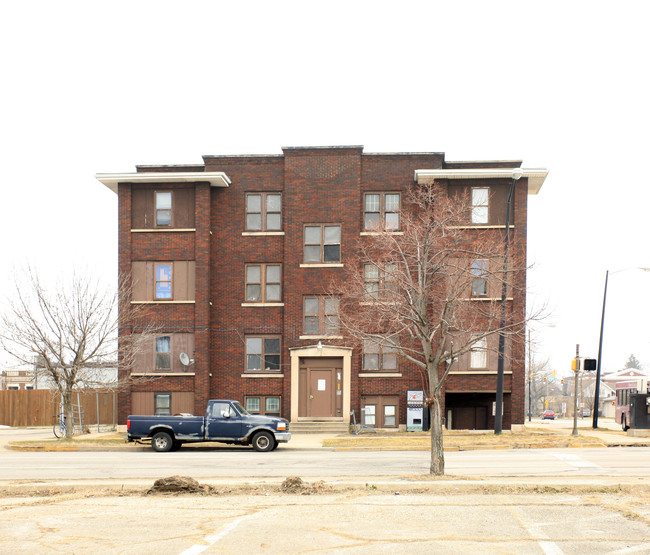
x: 223, y: 421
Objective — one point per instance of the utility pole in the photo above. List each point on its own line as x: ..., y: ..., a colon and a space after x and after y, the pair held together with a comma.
x: 575, y: 366
x: 530, y: 379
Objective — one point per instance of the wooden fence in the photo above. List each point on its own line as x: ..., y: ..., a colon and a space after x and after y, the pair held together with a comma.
x: 37, y: 407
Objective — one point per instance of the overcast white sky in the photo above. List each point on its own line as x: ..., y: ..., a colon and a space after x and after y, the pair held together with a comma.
x: 93, y: 87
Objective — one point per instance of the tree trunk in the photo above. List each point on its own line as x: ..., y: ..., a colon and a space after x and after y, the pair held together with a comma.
x: 437, y: 449
x: 69, y: 415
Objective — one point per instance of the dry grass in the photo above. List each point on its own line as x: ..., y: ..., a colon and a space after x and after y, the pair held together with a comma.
x: 463, y: 440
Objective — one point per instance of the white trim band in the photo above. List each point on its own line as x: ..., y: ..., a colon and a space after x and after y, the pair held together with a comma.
x: 535, y: 176
x: 111, y: 180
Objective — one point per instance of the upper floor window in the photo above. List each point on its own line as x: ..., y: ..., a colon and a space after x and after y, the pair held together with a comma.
x: 262, y: 354
x: 263, y: 283
x: 478, y: 354
x: 378, y: 281
x: 479, y: 278
x: 480, y: 201
x: 163, y: 352
x: 322, y: 243
x: 163, y: 275
x: 379, y: 355
x: 163, y: 281
x: 263, y: 212
x: 162, y: 209
x: 321, y: 316
x: 163, y: 201
x: 381, y: 211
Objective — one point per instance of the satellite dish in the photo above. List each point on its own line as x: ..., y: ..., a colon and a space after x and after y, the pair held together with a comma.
x: 185, y: 359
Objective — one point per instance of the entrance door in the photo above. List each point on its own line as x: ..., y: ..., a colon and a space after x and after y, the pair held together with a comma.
x: 320, y: 387
x: 320, y: 392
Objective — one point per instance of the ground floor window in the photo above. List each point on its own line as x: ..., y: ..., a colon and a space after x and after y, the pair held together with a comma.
x: 380, y: 411
x: 268, y: 405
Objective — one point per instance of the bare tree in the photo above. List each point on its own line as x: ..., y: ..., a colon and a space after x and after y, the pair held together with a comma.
x: 417, y: 301
x: 70, y: 334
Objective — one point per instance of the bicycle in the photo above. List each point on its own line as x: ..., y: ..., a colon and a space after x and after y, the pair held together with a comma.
x: 59, y: 427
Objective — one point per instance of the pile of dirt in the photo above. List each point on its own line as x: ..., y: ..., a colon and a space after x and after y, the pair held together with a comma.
x: 295, y: 485
x: 179, y: 484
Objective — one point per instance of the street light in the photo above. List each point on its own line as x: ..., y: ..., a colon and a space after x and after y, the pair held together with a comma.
x: 498, y: 417
x: 600, y: 346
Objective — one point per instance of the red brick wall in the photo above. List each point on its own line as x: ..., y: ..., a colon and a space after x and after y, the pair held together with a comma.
x: 318, y: 186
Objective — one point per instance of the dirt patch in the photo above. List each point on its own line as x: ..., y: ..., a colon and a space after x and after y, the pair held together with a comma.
x: 295, y: 485
x: 179, y: 484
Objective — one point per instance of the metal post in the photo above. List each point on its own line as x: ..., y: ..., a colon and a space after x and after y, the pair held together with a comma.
x: 498, y: 417
x: 575, y: 394
x: 530, y: 379
x: 600, y: 354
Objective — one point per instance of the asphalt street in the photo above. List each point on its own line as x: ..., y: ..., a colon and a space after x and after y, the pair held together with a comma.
x: 547, y: 501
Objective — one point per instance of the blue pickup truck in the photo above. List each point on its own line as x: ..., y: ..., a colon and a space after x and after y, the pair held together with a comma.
x: 224, y: 421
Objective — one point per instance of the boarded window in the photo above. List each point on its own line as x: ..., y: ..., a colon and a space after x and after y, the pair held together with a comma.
x: 163, y: 281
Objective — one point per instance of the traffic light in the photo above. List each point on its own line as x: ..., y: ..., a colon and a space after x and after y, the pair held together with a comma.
x: 590, y: 364
x: 575, y: 364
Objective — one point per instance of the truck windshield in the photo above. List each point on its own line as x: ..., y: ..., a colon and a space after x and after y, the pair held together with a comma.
x: 240, y: 409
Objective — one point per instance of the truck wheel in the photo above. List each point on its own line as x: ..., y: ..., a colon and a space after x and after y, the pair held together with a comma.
x: 162, y: 442
x: 263, y: 441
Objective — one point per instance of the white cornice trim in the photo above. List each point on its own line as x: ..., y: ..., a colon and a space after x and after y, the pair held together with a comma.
x: 535, y: 176
x: 215, y: 179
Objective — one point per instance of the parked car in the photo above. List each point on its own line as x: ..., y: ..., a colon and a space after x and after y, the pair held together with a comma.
x: 586, y: 412
x: 548, y: 415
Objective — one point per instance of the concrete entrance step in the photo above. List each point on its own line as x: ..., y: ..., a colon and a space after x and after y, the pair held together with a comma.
x: 319, y: 427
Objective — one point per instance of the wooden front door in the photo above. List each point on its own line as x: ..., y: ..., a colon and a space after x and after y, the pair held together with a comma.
x: 320, y: 387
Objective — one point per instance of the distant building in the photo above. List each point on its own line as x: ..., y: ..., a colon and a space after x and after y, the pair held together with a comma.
x: 17, y: 379
x: 234, y: 256
x: 627, y: 374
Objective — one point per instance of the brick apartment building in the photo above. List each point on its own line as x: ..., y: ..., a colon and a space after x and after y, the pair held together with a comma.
x: 235, y: 255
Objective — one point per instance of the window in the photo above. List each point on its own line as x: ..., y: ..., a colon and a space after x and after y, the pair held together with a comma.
x: 163, y: 208
x: 379, y: 355
x: 322, y: 244
x: 269, y: 406
x: 379, y: 281
x: 163, y: 277
x: 390, y: 416
x: 321, y: 316
x: 163, y: 353
x: 478, y: 354
x: 381, y: 211
x: 222, y: 410
x: 263, y: 283
x: 479, y: 280
x: 163, y: 281
x: 262, y: 354
x: 263, y: 212
x: 480, y: 197
x: 162, y: 404
x: 369, y: 413
x: 380, y: 410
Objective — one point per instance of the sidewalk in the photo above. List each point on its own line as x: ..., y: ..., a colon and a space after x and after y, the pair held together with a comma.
x: 608, y: 434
